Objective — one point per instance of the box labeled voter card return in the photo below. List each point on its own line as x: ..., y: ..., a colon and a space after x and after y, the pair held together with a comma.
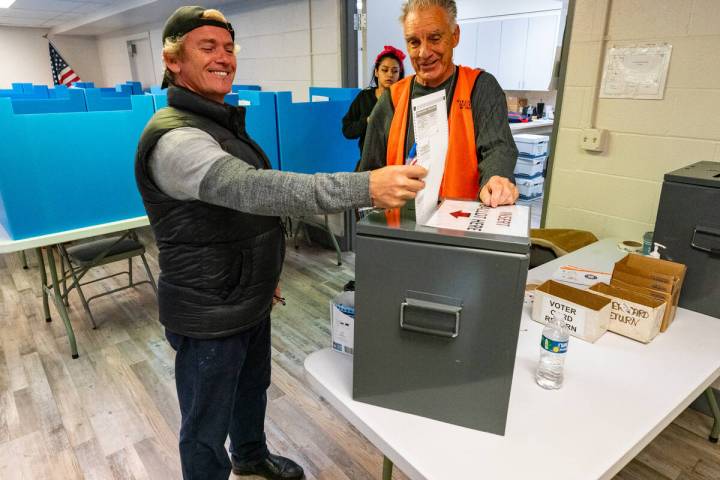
x: 586, y: 314
x: 631, y: 314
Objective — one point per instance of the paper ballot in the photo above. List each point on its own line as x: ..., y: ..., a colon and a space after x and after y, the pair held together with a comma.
x: 431, y: 136
x: 475, y: 217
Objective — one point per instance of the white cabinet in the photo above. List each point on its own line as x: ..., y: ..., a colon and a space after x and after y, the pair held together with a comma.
x: 466, y: 51
x: 540, y: 52
x: 488, y: 46
x: 519, y: 51
x: 513, y: 39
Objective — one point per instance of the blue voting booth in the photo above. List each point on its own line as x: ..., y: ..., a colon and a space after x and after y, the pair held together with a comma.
x: 261, y: 121
x: 70, y: 161
x: 310, y: 138
x: 69, y: 170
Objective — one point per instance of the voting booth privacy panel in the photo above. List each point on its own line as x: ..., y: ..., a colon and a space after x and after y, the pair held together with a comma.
x: 70, y: 162
x: 310, y: 135
x: 69, y: 170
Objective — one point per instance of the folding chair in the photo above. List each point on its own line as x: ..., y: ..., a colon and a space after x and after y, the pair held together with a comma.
x: 82, y: 257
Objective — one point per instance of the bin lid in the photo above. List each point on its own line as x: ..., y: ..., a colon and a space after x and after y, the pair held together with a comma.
x: 706, y: 174
x: 376, y: 224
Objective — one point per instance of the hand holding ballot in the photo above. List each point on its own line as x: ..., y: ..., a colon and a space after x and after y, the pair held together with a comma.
x: 499, y: 191
x: 392, y: 186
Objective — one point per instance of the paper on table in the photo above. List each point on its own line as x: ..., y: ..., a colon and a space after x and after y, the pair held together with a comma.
x: 475, y: 217
x: 431, y: 136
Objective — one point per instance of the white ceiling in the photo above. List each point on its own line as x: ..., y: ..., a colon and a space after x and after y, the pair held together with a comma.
x: 92, y: 17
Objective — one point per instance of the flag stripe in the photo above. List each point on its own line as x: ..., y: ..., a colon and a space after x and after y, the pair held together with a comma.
x: 62, y: 73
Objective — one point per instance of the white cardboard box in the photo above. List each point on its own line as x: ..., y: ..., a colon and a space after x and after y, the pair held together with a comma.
x: 343, y: 330
x: 530, y: 166
x: 531, y: 145
x: 530, y: 187
x: 585, y: 313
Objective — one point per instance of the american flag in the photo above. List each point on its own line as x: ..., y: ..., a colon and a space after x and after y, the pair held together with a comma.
x: 62, y: 73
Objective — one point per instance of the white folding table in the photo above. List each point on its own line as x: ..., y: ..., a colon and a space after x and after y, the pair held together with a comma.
x: 617, y: 396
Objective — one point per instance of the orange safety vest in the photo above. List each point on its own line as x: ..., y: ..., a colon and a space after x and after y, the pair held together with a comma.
x: 461, y: 178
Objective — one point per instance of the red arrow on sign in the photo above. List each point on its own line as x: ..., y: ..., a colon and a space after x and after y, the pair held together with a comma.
x: 460, y: 213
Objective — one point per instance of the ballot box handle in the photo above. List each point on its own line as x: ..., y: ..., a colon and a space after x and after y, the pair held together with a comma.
x: 714, y: 252
x: 433, y: 307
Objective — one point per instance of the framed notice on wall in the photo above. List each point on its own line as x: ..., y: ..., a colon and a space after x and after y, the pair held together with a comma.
x: 636, y: 71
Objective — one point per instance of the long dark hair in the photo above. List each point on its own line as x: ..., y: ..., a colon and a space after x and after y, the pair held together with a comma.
x: 388, y: 52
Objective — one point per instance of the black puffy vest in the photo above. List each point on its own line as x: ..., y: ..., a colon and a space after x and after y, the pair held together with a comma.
x: 218, y: 267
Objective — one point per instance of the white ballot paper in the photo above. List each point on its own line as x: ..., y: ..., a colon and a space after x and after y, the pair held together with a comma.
x: 431, y: 136
x: 476, y: 217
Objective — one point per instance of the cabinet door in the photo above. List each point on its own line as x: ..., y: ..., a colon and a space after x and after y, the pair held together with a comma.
x: 488, y: 46
x: 540, y: 53
x: 513, y: 39
x: 464, y: 53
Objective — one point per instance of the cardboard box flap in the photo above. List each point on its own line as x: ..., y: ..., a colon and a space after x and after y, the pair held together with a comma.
x: 653, y: 266
x: 626, y: 294
x: 583, y: 298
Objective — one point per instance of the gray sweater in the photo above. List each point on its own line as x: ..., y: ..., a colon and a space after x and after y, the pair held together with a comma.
x: 188, y: 164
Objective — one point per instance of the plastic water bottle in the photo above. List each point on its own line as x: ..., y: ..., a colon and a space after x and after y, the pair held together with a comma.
x: 553, y: 348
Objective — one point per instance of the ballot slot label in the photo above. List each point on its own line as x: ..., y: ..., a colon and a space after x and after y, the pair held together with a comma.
x: 476, y: 217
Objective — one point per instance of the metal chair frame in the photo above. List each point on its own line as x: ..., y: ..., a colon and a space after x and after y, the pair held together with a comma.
x: 77, y: 270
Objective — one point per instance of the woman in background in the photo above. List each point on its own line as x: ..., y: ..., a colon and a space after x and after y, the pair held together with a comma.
x: 388, y: 70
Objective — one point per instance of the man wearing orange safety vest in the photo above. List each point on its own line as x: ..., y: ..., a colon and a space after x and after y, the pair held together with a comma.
x: 481, y: 152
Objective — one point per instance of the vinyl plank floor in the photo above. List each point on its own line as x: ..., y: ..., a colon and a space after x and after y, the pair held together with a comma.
x: 112, y: 414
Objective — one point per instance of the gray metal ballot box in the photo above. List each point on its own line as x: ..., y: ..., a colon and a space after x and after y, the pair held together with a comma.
x: 688, y: 225
x: 437, y: 317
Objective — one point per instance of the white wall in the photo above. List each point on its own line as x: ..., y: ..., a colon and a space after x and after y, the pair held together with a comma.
x: 286, y: 45
x: 489, y: 8
x: 24, y: 56
x: 115, y: 61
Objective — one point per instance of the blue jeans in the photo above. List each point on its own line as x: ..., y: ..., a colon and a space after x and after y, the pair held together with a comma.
x: 221, y: 385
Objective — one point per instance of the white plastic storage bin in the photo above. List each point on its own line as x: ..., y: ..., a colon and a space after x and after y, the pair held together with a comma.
x: 530, y: 167
x: 530, y: 187
x: 531, y: 145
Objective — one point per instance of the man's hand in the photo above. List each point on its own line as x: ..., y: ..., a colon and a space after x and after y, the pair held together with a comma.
x: 391, y: 187
x: 499, y: 191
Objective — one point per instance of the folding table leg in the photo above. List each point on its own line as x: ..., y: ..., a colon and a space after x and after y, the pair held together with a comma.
x: 23, y: 258
x: 387, y: 468
x: 59, y: 303
x: 712, y: 401
x: 43, y: 279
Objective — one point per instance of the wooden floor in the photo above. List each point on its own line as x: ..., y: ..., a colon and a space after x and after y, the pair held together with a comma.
x: 112, y: 413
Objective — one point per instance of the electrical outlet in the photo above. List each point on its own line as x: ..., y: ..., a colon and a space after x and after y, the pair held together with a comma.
x: 593, y: 139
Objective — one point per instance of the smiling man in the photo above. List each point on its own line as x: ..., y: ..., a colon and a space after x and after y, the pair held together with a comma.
x: 214, y: 207
x: 481, y: 151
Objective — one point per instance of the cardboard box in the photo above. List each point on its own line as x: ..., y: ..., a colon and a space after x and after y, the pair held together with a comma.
x: 633, y: 315
x: 585, y: 313
x: 512, y: 104
x: 660, y: 279
x: 342, y: 322
x: 530, y: 167
x: 530, y: 187
x: 530, y: 145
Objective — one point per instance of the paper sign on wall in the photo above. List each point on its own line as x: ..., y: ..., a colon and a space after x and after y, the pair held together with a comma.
x: 636, y: 71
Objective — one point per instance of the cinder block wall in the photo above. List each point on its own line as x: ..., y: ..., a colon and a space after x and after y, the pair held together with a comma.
x: 288, y: 45
x: 616, y: 193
